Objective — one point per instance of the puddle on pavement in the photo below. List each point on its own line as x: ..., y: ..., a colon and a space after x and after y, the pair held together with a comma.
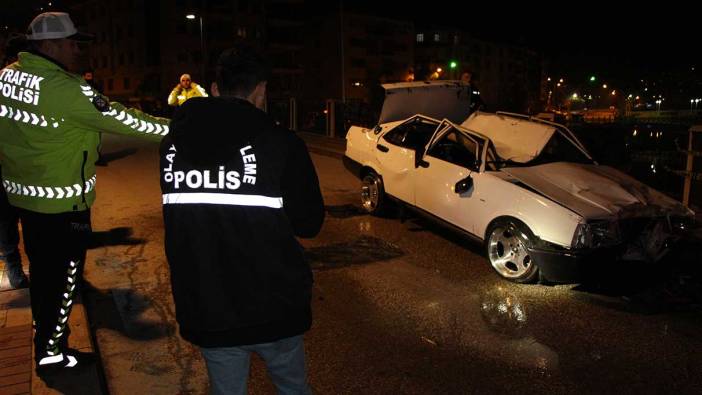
x: 343, y: 211
x: 504, y: 313
x: 365, y: 249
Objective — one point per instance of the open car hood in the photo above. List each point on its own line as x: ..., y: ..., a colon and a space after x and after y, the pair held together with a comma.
x: 595, y: 191
x: 519, y: 140
x: 435, y: 99
x: 517, y: 137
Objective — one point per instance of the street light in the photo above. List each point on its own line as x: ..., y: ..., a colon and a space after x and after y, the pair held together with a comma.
x: 202, y: 45
x: 658, y: 104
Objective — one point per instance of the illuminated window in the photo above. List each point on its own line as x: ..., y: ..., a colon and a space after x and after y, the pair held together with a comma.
x: 437, y: 37
x: 420, y: 37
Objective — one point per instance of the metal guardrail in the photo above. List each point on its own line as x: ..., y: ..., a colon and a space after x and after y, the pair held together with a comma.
x: 694, y: 176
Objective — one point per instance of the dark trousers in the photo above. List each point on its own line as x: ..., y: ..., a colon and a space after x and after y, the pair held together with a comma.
x: 9, y: 234
x: 55, y: 245
x: 228, y: 367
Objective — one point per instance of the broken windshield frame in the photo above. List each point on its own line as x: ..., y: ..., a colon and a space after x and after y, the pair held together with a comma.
x: 557, y: 149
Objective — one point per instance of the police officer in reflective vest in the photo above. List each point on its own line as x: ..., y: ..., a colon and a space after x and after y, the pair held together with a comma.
x: 186, y: 89
x: 50, y: 120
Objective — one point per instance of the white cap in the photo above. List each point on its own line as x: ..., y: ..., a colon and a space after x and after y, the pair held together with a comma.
x: 54, y: 25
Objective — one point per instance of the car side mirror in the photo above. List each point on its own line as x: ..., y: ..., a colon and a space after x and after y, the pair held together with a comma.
x: 463, y: 185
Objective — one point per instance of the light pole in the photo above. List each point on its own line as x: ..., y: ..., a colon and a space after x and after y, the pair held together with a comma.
x: 202, y: 46
x: 658, y: 104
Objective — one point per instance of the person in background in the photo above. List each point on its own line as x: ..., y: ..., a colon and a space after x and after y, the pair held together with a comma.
x: 9, y: 219
x: 48, y: 148
x: 185, y: 90
x: 476, y: 102
x: 237, y: 190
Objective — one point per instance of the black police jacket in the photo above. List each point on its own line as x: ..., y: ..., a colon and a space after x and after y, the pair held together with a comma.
x: 237, y: 190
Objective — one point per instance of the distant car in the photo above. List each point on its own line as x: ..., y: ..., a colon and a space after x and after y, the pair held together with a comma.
x: 525, y: 187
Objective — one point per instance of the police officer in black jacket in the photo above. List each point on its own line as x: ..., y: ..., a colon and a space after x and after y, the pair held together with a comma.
x: 237, y: 191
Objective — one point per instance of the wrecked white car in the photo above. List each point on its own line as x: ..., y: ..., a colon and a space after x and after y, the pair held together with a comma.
x: 526, y: 188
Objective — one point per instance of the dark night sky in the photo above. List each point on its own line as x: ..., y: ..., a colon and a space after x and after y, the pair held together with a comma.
x: 612, y: 39
x: 620, y: 38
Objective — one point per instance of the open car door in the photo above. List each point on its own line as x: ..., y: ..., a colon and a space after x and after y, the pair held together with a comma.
x: 396, y: 151
x: 454, y: 155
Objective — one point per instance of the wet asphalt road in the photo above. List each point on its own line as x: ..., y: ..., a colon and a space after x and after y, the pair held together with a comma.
x: 400, y: 307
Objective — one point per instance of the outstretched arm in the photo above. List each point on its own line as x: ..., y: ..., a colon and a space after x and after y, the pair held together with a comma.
x: 91, y: 110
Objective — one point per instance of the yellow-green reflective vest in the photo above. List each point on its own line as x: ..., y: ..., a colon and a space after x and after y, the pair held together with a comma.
x: 50, y: 122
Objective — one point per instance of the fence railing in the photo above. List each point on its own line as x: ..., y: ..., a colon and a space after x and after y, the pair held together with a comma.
x: 324, y: 116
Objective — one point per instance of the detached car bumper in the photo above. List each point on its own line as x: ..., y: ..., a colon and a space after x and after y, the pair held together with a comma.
x: 572, y: 267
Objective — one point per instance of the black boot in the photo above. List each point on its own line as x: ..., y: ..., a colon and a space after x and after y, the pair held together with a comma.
x: 13, y: 269
x: 70, y: 360
x: 101, y: 161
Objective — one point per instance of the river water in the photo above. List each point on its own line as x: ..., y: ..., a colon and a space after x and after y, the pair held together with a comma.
x: 649, y: 153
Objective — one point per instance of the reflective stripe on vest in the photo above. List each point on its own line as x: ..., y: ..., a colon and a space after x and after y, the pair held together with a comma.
x: 128, y: 120
x: 27, y: 117
x: 222, y: 198
x: 49, y: 192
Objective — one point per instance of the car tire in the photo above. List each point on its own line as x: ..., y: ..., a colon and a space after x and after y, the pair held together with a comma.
x: 372, y: 194
x: 507, y: 245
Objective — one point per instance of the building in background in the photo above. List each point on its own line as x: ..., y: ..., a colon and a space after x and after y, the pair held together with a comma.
x: 348, y: 56
x: 508, y: 76
x: 321, y: 52
x: 284, y: 43
x: 141, y: 47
